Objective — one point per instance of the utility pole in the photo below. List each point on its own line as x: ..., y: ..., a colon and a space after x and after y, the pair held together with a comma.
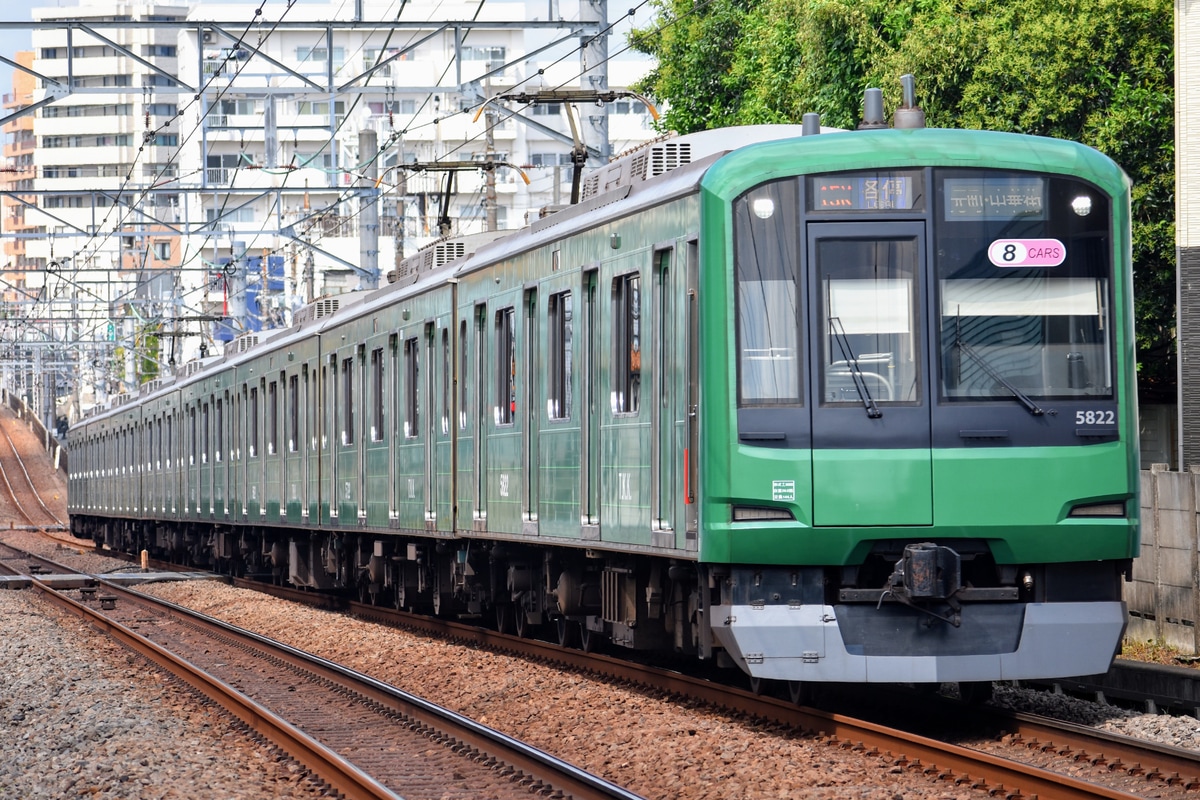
x: 368, y: 198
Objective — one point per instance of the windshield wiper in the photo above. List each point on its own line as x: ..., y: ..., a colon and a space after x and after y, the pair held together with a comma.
x: 856, y: 374
x: 1024, y: 399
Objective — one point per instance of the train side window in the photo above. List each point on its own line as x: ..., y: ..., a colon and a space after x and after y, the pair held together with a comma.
x: 347, y: 401
x: 252, y: 423
x: 506, y: 363
x: 412, y: 388
x: 558, y: 404
x: 627, y: 344
x: 377, y: 395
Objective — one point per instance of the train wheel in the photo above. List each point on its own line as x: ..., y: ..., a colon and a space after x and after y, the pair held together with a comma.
x: 799, y: 693
x: 565, y: 630
x: 757, y: 685
x: 525, y: 628
x: 504, y: 617
x: 589, y: 640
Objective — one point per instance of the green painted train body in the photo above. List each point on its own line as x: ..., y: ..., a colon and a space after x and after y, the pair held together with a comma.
x: 857, y: 406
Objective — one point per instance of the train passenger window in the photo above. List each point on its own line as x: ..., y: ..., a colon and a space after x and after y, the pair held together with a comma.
x: 627, y: 344
x: 412, y: 388
x: 377, y: 395
x: 768, y: 313
x: 558, y: 384
x: 1023, y: 270
x: 272, y: 418
x: 347, y: 401
x: 506, y: 367
x: 868, y: 339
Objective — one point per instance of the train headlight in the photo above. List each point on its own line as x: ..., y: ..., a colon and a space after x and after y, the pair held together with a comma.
x: 764, y: 207
x: 1082, y: 205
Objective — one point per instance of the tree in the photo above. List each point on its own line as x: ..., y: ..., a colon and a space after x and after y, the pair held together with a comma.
x: 1098, y: 72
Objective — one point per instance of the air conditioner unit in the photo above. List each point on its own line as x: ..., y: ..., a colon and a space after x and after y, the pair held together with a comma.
x: 208, y: 36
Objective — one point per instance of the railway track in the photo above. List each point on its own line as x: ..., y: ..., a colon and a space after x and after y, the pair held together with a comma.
x: 363, y: 738
x: 1067, y: 761
x: 19, y: 487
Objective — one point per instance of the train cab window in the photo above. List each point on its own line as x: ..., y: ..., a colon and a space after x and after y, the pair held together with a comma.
x: 869, y: 341
x: 768, y: 314
x: 558, y: 384
x: 506, y: 367
x: 627, y: 344
x: 1023, y: 286
x: 412, y: 388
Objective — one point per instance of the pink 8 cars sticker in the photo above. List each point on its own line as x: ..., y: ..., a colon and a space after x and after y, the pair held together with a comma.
x: 1027, y: 252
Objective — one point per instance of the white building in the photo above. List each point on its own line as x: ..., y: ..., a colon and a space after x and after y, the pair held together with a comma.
x: 208, y: 163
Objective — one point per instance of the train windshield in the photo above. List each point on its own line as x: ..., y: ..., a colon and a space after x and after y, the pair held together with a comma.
x: 1022, y: 282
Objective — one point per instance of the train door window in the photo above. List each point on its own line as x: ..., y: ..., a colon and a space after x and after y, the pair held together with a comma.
x: 412, y: 388
x: 377, y: 395
x: 272, y: 418
x: 447, y: 366
x: 252, y: 423
x: 868, y: 302
x: 239, y: 407
x: 193, y: 443
x: 627, y: 344
x: 170, y: 448
x: 293, y: 414
x: 219, y: 430
x: 768, y: 310
x: 205, y: 442
x: 558, y: 379
x: 506, y: 366
x: 463, y: 372
x: 347, y: 401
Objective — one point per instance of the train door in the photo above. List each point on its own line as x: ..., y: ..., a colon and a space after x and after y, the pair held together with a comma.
x: 872, y: 460
x: 589, y: 456
x: 429, y: 429
x: 664, y: 413
x: 691, y: 408
x: 481, y: 420
x: 531, y: 368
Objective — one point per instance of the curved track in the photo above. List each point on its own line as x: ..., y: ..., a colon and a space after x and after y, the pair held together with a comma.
x: 19, y: 486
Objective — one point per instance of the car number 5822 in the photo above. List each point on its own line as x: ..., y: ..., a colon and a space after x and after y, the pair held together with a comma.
x: 1095, y: 417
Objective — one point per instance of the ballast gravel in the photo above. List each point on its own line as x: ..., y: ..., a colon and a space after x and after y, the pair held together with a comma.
x: 654, y: 747
x: 82, y: 717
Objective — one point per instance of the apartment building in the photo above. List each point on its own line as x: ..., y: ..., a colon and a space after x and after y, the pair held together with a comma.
x: 207, y: 171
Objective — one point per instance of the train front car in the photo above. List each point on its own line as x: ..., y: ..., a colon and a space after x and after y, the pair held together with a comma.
x: 918, y: 424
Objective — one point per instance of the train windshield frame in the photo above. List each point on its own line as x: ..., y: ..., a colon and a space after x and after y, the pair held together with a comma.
x: 1023, y: 277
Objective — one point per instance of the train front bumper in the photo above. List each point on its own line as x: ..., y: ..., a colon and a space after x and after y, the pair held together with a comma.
x: 1001, y: 642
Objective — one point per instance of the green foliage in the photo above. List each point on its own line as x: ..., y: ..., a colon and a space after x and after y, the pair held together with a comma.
x: 1095, y: 71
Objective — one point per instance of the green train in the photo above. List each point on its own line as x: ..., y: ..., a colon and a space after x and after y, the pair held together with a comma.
x: 829, y: 406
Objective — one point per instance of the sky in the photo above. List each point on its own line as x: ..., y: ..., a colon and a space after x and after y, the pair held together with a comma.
x: 11, y: 41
